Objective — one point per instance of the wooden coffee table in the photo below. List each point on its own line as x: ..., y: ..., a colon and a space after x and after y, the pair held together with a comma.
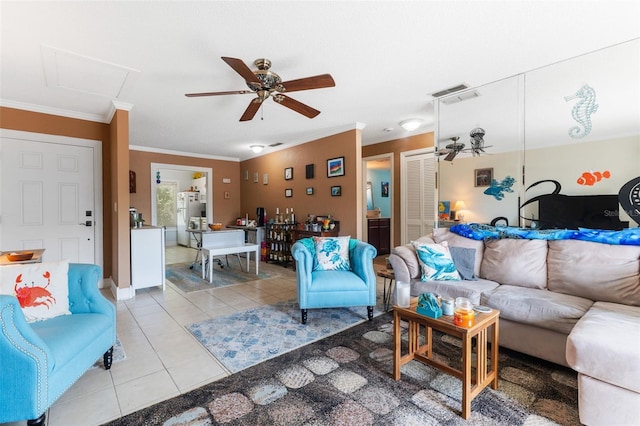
x: 486, y: 371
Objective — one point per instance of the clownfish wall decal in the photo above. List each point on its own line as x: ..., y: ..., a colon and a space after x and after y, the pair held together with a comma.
x: 590, y: 178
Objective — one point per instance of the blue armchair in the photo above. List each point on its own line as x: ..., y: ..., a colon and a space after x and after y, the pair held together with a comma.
x: 334, y: 289
x: 41, y: 360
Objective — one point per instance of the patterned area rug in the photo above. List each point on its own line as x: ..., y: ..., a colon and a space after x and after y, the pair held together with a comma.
x: 346, y: 379
x: 243, y: 339
x: 188, y: 280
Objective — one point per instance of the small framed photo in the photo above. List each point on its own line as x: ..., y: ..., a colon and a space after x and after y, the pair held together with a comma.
x: 335, y: 167
x: 309, y: 171
x: 288, y: 173
x: 336, y: 191
x: 246, y: 175
x: 255, y: 177
x: 265, y: 179
x: 288, y: 192
x: 384, y: 189
x: 482, y: 177
x: 310, y: 190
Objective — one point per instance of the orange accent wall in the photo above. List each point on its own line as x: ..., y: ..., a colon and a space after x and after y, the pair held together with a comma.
x: 27, y: 121
x: 121, y: 248
x: 345, y: 208
x: 224, y: 210
x: 397, y: 146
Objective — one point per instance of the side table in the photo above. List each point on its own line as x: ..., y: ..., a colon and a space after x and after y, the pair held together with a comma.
x: 475, y: 376
x: 387, y: 274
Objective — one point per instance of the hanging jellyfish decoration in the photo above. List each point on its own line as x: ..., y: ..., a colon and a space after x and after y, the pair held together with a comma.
x: 158, y: 177
x: 582, y: 111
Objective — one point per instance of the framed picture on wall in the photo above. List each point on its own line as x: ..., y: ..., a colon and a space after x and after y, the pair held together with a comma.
x: 309, y: 171
x: 482, y: 177
x: 310, y: 190
x: 288, y: 192
x: 335, y: 167
x: 384, y: 189
x: 336, y: 191
x: 288, y: 173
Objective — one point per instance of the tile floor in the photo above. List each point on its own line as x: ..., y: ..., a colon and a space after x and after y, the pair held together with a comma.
x: 163, y: 359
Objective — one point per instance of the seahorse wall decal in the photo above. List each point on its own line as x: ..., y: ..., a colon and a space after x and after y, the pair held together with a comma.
x: 582, y: 111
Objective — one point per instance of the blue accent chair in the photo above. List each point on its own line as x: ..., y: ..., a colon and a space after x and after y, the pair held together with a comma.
x: 39, y: 361
x: 335, y: 289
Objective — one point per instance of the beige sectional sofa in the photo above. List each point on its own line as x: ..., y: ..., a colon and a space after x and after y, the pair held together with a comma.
x: 574, y: 303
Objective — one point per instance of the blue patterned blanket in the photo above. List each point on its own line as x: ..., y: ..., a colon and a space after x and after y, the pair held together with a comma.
x: 476, y: 231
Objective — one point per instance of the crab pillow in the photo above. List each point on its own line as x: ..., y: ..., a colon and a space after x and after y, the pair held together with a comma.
x: 42, y: 289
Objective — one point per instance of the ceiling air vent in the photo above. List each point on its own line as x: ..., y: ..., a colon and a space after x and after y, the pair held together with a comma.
x: 461, y: 97
x: 450, y: 90
x: 275, y: 144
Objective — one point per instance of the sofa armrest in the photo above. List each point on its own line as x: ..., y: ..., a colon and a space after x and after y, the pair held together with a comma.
x: 84, y: 294
x: 26, y: 363
x: 400, y: 269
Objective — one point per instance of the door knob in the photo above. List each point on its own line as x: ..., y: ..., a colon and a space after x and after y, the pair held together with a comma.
x: 87, y: 223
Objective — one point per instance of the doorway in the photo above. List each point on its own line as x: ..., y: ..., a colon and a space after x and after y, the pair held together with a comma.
x: 378, y: 201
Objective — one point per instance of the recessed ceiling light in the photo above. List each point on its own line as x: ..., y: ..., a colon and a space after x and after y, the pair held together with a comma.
x: 388, y: 129
x: 411, y: 124
x: 257, y: 148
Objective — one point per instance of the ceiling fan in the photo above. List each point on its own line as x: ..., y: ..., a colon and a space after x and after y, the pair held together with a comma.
x: 265, y: 83
x: 477, y: 145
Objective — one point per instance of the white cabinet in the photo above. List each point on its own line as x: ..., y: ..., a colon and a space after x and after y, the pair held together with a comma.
x: 147, y: 257
x: 201, y: 185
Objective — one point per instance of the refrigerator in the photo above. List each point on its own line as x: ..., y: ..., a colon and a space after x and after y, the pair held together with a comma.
x: 188, y: 206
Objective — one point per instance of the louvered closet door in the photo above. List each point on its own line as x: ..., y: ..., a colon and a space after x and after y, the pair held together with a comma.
x: 419, y: 196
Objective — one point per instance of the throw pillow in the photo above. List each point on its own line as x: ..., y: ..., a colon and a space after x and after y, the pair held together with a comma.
x: 436, y: 262
x: 332, y: 254
x: 464, y: 259
x: 42, y: 289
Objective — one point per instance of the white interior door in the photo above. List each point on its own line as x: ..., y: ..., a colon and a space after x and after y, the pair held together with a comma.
x: 418, y: 194
x: 48, y: 199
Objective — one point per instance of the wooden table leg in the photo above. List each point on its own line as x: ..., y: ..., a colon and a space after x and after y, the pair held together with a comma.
x: 397, y: 352
x: 466, y: 377
x: 494, y: 354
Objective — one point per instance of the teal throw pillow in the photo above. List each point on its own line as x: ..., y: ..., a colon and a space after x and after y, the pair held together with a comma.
x: 436, y: 262
x: 332, y: 254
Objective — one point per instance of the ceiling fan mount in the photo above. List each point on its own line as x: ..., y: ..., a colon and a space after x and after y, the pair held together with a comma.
x: 263, y: 83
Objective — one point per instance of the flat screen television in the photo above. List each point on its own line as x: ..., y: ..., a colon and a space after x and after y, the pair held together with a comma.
x: 584, y: 211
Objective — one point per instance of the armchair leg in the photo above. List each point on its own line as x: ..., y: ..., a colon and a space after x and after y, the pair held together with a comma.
x: 108, y: 358
x: 370, y: 312
x: 304, y: 315
x: 40, y: 421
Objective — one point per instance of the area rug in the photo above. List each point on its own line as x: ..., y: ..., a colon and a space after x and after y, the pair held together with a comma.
x: 188, y: 280
x: 118, y: 355
x: 346, y: 379
x: 245, y: 338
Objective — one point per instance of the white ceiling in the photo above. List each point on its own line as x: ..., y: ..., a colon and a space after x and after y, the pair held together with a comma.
x: 77, y: 58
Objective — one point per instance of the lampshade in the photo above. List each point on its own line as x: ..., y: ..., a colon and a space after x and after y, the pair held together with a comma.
x: 459, y: 205
x: 257, y: 148
x: 411, y: 124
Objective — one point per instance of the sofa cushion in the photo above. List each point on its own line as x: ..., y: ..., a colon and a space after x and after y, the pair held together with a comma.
x: 436, y: 262
x: 604, y: 344
x: 42, y: 289
x: 472, y: 290
x: 455, y: 240
x: 332, y: 254
x: 542, y: 308
x: 464, y: 259
x: 408, y: 254
x: 603, y: 272
x: 515, y: 262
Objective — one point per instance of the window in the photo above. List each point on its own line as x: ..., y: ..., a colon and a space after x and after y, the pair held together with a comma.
x: 166, y: 204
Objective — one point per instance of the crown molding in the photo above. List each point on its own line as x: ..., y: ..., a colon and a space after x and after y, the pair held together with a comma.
x: 181, y: 153
x: 53, y: 111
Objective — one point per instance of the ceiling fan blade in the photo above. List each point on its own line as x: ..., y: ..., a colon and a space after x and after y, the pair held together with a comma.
x: 242, y: 69
x: 232, y: 92
x: 315, y: 82
x: 297, y: 106
x: 451, y: 156
x: 251, y: 110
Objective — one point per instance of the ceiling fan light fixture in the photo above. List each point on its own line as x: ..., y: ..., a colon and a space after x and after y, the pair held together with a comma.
x: 257, y: 148
x: 411, y: 124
